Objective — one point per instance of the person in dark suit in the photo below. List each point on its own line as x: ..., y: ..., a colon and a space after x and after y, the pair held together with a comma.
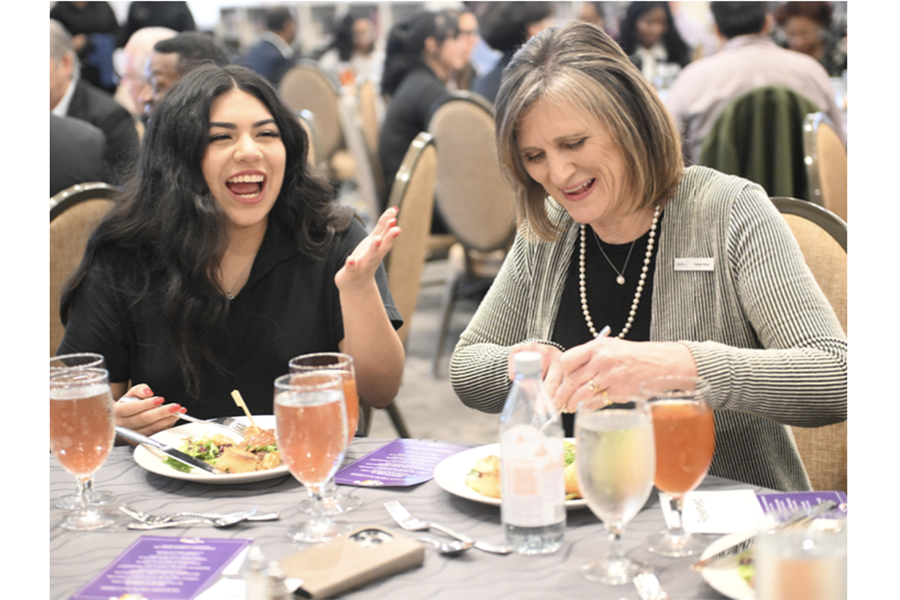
x: 172, y: 58
x: 171, y: 15
x: 73, y: 97
x: 76, y: 153
x: 273, y: 55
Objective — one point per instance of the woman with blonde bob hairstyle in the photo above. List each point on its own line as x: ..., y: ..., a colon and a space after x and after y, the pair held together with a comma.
x: 694, y: 272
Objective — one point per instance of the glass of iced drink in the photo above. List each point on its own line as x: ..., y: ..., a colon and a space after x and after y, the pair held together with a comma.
x: 82, y: 434
x: 334, y: 501
x: 311, y: 428
x: 616, y: 461
x: 685, y: 436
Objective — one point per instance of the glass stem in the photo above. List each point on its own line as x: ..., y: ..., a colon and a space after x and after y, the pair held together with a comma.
x: 315, y: 498
x: 85, y: 491
x: 677, y: 504
x: 616, y: 554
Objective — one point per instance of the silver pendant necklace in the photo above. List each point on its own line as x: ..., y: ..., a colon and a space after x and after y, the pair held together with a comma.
x: 620, y: 279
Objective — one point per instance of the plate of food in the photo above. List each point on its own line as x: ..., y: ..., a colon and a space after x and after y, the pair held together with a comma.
x: 731, y: 576
x: 475, y: 474
x: 253, y: 457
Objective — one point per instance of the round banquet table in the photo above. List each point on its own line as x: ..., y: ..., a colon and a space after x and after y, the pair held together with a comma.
x: 77, y: 557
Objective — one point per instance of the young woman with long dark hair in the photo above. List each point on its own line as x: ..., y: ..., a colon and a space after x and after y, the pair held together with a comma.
x: 226, y: 256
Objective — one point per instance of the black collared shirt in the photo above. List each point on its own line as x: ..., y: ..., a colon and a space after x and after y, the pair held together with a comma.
x: 289, y: 306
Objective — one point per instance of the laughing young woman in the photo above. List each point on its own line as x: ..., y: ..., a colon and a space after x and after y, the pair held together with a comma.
x: 224, y: 258
x: 696, y: 272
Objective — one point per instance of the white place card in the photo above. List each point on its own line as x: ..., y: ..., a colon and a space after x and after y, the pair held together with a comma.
x: 695, y: 264
x: 727, y: 511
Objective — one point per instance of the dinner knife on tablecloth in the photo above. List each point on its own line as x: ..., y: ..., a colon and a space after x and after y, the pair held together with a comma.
x: 169, y: 451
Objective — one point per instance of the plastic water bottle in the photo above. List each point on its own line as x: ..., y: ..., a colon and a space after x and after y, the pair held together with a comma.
x: 532, y: 508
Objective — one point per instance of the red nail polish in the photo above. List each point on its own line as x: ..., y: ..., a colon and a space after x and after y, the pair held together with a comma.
x: 174, y: 409
x: 159, y: 401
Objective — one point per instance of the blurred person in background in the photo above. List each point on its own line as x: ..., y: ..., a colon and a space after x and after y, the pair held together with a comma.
x: 650, y: 39
x: 352, y: 55
x: 422, y: 53
x: 95, y: 33
x: 172, y: 58
x: 593, y: 13
x: 273, y: 55
x: 76, y: 153
x: 807, y: 28
x: 72, y: 96
x: 468, y: 33
x: 748, y: 60
x: 505, y: 26
x: 133, y: 78
x: 171, y: 15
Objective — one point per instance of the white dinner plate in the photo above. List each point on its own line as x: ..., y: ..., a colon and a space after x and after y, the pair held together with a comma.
x: 723, y: 575
x: 451, y: 473
x: 175, y: 437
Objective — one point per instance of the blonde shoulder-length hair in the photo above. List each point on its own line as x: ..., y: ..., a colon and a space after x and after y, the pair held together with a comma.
x: 579, y: 64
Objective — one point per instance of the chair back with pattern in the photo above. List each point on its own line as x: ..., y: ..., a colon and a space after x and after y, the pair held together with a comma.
x: 307, y: 87
x: 474, y: 201
x: 822, y: 237
x: 74, y: 214
x: 826, y: 164
x: 364, y: 171
x: 371, y: 112
x: 413, y: 194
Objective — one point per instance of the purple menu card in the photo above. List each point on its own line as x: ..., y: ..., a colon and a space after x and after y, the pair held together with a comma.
x: 164, y: 568
x: 402, y: 462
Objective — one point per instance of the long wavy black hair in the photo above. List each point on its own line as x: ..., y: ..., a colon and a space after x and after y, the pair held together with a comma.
x: 406, y: 43
x: 677, y: 49
x: 168, y: 221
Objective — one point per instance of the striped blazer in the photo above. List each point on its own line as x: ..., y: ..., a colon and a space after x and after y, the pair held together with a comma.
x: 758, y: 326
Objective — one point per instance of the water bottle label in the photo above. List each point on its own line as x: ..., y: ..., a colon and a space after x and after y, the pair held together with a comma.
x: 533, y: 485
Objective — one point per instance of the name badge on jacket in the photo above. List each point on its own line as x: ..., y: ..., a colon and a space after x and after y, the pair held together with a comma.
x: 694, y: 264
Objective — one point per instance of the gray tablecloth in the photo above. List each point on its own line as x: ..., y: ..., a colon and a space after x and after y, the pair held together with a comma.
x: 77, y: 557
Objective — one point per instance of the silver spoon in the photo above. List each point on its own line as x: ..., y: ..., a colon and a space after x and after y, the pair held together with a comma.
x: 449, y: 548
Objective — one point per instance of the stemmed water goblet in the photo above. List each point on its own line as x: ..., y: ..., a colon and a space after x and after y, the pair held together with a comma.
x: 685, y: 436
x: 334, y: 501
x: 80, y: 360
x: 616, y: 461
x: 311, y: 429
x: 82, y: 434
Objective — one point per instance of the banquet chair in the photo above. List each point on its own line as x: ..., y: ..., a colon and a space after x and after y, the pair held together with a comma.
x: 371, y: 112
x: 308, y: 123
x: 822, y: 236
x: 307, y: 87
x: 472, y: 198
x: 364, y: 170
x: 413, y: 194
x: 74, y: 214
x: 759, y: 136
x: 826, y: 164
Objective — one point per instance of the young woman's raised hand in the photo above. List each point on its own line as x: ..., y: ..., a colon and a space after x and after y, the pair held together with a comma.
x: 359, y: 269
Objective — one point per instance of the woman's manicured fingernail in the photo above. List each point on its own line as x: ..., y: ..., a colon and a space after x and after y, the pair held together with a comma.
x: 174, y: 408
x: 159, y: 401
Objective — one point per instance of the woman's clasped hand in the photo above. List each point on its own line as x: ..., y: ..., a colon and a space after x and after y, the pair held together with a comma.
x: 606, y: 365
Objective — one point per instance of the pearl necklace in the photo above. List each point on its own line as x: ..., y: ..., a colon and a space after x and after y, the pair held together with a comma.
x: 640, y: 286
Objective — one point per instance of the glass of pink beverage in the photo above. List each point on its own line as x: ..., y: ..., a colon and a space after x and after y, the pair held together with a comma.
x: 685, y: 436
x: 80, y: 360
x: 311, y: 428
x: 334, y: 502
x: 82, y: 434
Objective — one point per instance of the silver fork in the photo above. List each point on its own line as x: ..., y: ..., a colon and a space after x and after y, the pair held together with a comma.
x: 149, y: 519
x: 648, y: 587
x: 227, y: 422
x: 410, y: 523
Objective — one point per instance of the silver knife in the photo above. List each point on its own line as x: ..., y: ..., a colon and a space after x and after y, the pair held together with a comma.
x: 169, y: 451
x: 796, y: 518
